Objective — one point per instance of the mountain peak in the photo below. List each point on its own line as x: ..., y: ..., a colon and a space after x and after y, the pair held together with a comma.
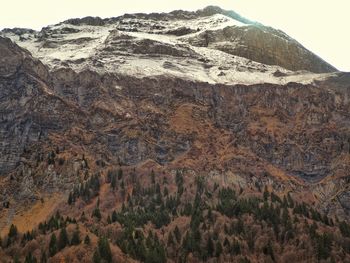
x: 171, y: 137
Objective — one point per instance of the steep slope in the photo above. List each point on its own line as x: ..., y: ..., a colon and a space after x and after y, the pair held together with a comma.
x: 262, y: 44
x: 124, y: 114
x: 210, y: 45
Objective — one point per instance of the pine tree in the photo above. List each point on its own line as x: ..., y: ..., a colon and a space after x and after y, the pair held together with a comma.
x: 226, y: 242
x: 170, y: 240
x: 114, y: 182
x: 324, y: 246
x: 76, y: 237
x: 120, y: 174
x: 87, y: 240
x: 96, y: 258
x: 104, y: 249
x: 53, y: 245
x: 268, y: 250
x: 30, y: 258
x: 63, y: 240
x: 70, y: 198
x: 266, y: 193
x: 43, y: 258
x: 177, y: 234
x: 16, y: 259
x: 210, y: 247
x: 218, y: 250
x: 236, y: 248
x: 96, y: 213
x: 13, y: 231
x: 114, y: 216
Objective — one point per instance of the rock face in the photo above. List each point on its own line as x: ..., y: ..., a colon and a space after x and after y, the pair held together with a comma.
x: 107, y: 96
x: 263, y: 44
x: 211, y: 38
x: 29, y: 108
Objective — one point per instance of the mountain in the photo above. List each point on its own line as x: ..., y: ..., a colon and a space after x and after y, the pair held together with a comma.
x: 172, y: 137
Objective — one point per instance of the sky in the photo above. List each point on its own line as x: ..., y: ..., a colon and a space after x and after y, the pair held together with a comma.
x: 322, y: 26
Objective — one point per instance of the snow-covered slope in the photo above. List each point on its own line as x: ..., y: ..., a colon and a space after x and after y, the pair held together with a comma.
x: 153, y: 45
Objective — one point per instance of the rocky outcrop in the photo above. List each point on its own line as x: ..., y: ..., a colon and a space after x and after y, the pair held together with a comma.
x: 29, y: 109
x: 89, y: 20
x: 263, y: 44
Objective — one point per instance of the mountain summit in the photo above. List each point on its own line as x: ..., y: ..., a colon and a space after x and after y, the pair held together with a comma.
x: 171, y: 137
x: 197, y: 45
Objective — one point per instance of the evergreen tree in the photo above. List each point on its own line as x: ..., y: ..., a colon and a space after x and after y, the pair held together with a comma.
x: 16, y: 259
x: 236, y: 248
x: 177, y: 234
x: 114, y: 182
x: 53, y: 245
x: 63, y: 240
x: 266, y: 193
x: 114, y: 216
x: 218, y: 250
x: 43, y: 258
x: 210, y: 247
x: 268, y: 250
x: 97, y: 213
x: 170, y: 240
x: 120, y: 174
x: 324, y: 246
x: 12, y: 235
x: 87, y: 240
x: 30, y: 258
x: 104, y: 249
x: 12, y: 232
x: 76, y: 237
x: 96, y: 258
x: 70, y: 198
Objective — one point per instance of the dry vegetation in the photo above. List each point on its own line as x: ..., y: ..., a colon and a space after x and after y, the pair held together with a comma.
x: 126, y: 214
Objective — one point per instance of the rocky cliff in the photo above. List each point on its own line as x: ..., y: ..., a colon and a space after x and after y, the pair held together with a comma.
x: 165, y: 92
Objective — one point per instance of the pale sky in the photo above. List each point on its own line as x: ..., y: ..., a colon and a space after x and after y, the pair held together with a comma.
x: 322, y: 26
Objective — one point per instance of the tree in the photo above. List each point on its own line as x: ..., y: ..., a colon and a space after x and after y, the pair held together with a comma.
x: 96, y: 258
x: 70, y: 198
x: 268, y: 250
x: 96, y: 213
x: 87, y: 240
x: 53, y: 245
x: 177, y: 234
x: 104, y: 249
x: 266, y: 193
x: 13, y: 231
x: 323, y: 246
x: 114, y: 182
x: 344, y: 229
x: 218, y: 250
x: 63, y: 240
x: 236, y: 248
x: 16, y: 259
x: 76, y: 237
x: 43, y: 258
x: 120, y: 174
x: 210, y: 247
x: 30, y: 258
x: 114, y: 216
x: 170, y: 240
